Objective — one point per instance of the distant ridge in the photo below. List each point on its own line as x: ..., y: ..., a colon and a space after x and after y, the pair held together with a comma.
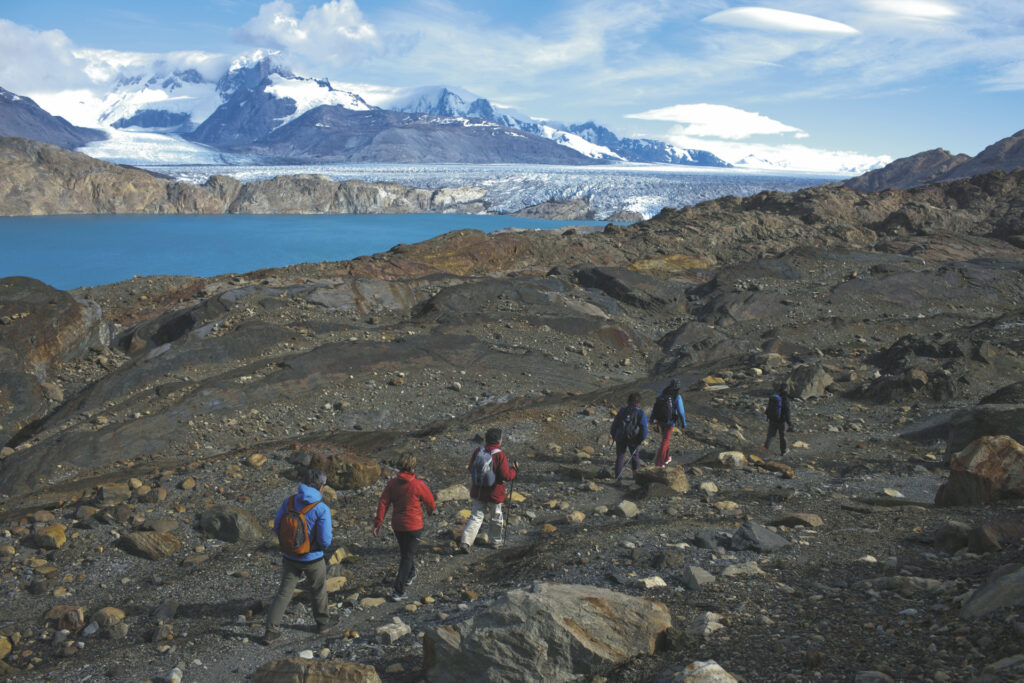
x: 938, y: 165
x: 21, y: 117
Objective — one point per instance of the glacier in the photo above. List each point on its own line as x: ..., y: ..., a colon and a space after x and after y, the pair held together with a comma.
x: 641, y: 188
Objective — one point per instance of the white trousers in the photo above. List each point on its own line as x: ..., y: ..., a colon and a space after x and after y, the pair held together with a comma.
x: 476, y: 520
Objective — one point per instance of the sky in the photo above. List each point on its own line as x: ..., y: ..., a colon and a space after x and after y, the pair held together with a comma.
x: 827, y: 80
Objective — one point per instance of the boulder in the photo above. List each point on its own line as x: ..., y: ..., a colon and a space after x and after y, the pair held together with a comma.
x: 552, y: 632
x: 952, y: 536
x: 1005, y: 588
x: 990, y: 468
x: 346, y: 471
x: 695, y: 577
x: 808, y: 381
x: 298, y: 670
x: 753, y: 536
x: 799, y: 519
x: 992, y: 419
x: 672, y: 477
x: 151, y: 545
x: 457, y: 492
x: 230, y: 523
x: 709, y: 671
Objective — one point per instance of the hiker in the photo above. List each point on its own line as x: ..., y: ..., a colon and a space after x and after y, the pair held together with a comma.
x: 629, y: 429
x: 303, y: 528
x: 668, y: 409
x: 489, y: 470
x: 408, y: 494
x: 777, y: 412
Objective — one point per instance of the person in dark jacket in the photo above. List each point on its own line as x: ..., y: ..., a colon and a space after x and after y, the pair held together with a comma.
x: 309, y: 565
x: 676, y: 413
x: 408, y: 494
x: 487, y: 500
x: 777, y: 413
x: 625, y: 442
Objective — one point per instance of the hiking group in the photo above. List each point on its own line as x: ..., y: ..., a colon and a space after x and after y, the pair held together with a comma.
x: 303, y: 521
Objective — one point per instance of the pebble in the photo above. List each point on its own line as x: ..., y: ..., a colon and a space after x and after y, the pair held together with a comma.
x: 306, y: 654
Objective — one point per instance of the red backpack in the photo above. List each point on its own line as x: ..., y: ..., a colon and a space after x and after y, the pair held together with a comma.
x: 293, y: 530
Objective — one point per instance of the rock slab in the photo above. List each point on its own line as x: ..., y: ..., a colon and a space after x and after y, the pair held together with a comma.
x: 299, y: 670
x: 552, y: 632
x: 990, y: 468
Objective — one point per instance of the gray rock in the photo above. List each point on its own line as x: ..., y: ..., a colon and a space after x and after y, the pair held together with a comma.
x: 298, y: 670
x: 151, y: 545
x: 627, y: 509
x: 1004, y: 589
x: 984, y: 420
x: 695, y: 577
x: 708, y: 671
x: 230, y: 523
x: 553, y: 632
x: 988, y: 469
x: 753, y: 536
x: 391, y: 633
x: 808, y: 381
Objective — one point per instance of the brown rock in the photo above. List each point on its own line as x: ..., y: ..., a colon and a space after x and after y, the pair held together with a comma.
x: 50, y: 537
x: 108, y: 616
x: 310, y: 671
x: 799, y: 519
x: 672, y: 477
x: 70, y: 617
x: 346, y: 471
x: 112, y: 494
x: 983, y: 539
x: 5, y: 647
x: 990, y: 468
x: 782, y: 468
x: 151, y: 545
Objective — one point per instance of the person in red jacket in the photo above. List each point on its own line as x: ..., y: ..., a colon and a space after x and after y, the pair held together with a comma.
x: 487, y: 499
x: 408, y: 494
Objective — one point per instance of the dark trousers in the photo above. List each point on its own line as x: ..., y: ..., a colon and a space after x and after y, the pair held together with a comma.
x: 621, y: 448
x: 291, y: 573
x: 773, y: 427
x: 407, y: 543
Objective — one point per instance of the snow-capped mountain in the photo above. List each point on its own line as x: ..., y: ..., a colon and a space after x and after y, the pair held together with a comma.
x: 23, y: 118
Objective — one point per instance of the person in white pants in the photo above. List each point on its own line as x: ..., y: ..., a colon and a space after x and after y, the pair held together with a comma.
x: 487, y: 500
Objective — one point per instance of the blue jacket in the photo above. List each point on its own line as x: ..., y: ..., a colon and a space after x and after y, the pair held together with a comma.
x: 679, y: 412
x: 318, y: 519
x: 620, y: 417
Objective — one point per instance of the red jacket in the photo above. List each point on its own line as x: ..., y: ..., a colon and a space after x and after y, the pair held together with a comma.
x: 502, y: 473
x: 406, y: 493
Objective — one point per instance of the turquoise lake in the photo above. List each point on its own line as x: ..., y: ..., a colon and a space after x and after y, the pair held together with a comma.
x: 80, y: 251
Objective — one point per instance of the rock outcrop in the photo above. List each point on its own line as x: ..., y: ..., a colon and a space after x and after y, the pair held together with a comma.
x: 553, y: 632
x: 986, y: 470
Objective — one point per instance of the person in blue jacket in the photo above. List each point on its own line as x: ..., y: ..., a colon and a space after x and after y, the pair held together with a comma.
x: 629, y: 430
x: 673, y: 412
x: 311, y: 565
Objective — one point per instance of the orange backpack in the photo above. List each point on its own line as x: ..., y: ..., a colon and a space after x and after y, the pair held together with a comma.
x: 293, y: 530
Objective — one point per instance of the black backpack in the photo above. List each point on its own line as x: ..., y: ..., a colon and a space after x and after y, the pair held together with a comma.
x: 631, y: 430
x: 774, y: 408
x: 662, y: 410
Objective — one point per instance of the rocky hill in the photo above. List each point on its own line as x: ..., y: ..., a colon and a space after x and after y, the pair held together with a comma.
x: 146, y: 447
x: 41, y: 179
x: 22, y: 117
x: 938, y: 165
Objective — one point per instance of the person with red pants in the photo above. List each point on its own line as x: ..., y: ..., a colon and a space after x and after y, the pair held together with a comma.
x: 408, y: 494
x: 668, y: 410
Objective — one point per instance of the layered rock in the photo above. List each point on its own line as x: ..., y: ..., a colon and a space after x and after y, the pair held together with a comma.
x: 553, y: 632
x: 988, y: 469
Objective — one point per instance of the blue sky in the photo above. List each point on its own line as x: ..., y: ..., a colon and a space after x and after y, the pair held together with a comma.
x: 857, y: 77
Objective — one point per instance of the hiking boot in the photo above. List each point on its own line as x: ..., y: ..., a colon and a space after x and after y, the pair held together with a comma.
x: 464, y: 548
x: 324, y: 629
x: 412, y: 577
x: 398, y: 597
x: 668, y: 459
x: 270, y: 637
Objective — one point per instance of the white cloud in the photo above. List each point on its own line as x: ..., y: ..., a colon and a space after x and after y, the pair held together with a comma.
x: 717, y: 120
x: 789, y: 157
x: 38, y: 60
x: 334, y: 33
x: 1009, y: 79
x: 922, y: 9
x: 765, y: 18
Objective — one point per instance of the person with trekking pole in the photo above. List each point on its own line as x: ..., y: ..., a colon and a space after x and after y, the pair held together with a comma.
x: 629, y: 430
x: 489, y: 469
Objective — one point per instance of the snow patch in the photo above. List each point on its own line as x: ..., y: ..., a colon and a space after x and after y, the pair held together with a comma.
x: 309, y: 94
x: 153, y: 149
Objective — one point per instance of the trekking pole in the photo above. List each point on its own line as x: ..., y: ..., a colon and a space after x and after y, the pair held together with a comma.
x: 511, y: 488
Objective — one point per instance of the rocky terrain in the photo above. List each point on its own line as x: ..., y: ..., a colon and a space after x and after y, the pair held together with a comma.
x: 938, y: 165
x: 21, y: 117
x: 152, y: 427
